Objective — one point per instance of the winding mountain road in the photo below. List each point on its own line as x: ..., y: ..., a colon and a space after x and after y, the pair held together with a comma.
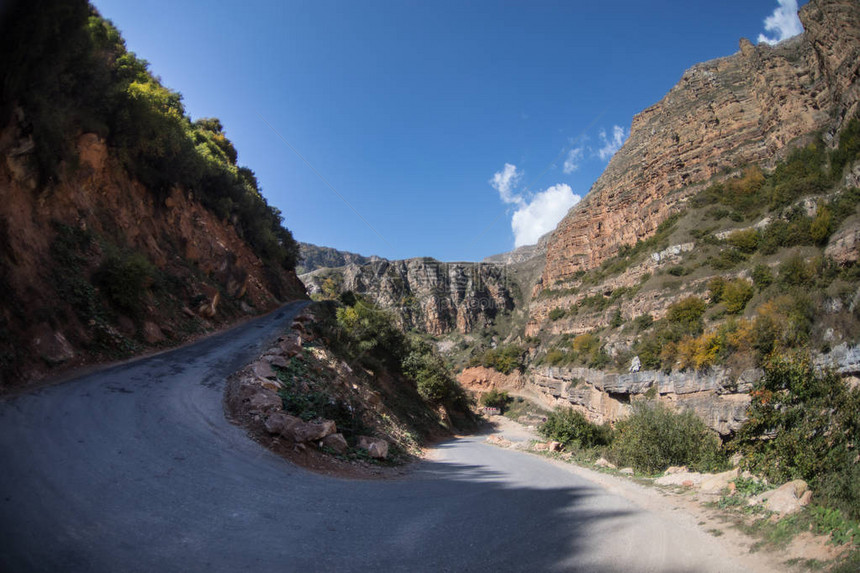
x: 134, y: 468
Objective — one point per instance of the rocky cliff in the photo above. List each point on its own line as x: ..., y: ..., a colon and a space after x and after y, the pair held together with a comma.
x: 314, y: 257
x: 426, y: 294
x: 53, y: 310
x: 722, y: 114
x: 124, y: 225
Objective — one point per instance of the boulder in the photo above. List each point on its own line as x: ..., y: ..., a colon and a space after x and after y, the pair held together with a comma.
x: 277, y: 360
x: 51, y: 346
x: 604, y: 463
x: 262, y: 369
x: 376, y: 447
x: 499, y: 441
x: 540, y: 447
x: 336, y: 442
x: 626, y: 471
x: 554, y: 446
x: 680, y: 476
x: 152, y: 333
x: 715, y: 483
x: 281, y: 423
x: 311, y: 431
x: 291, y: 345
x: 786, y: 499
x: 261, y: 400
x: 272, y: 385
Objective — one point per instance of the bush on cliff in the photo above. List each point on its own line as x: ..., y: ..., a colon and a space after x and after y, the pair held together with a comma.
x: 124, y: 278
x: 67, y: 70
x: 504, y: 359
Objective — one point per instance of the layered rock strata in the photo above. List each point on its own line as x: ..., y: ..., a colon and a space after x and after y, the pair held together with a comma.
x: 721, y: 115
x: 426, y: 294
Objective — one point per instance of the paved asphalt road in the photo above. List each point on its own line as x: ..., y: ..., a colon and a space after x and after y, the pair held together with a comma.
x: 134, y: 468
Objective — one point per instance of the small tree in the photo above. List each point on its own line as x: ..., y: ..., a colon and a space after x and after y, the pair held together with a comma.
x: 571, y: 428
x: 655, y: 437
x: 496, y: 399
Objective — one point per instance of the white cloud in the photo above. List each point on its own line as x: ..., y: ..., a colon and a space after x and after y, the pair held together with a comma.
x: 784, y: 22
x: 571, y: 162
x: 610, y: 146
x: 505, y: 181
x: 542, y: 214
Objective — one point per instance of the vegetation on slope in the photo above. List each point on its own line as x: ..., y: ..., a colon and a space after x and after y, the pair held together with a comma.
x: 368, y: 336
x: 750, y: 289
x: 67, y: 70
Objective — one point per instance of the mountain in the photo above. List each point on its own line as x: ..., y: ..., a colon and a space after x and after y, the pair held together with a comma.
x: 313, y: 257
x: 747, y: 108
x: 124, y: 225
x: 425, y: 294
x: 725, y: 231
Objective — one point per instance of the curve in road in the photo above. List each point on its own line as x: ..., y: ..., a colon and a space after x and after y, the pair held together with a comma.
x: 135, y: 468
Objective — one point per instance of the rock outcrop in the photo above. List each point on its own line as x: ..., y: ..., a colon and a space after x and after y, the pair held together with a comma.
x: 426, y: 294
x: 314, y: 257
x: 723, y: 114
x: 202, y: 255
x: 606, y: 397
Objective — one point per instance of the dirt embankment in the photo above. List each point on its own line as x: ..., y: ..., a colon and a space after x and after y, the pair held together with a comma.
x: 96, y: 267
x: 309, y: 405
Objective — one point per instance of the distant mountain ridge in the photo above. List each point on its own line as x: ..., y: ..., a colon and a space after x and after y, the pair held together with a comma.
x: 313, y: 257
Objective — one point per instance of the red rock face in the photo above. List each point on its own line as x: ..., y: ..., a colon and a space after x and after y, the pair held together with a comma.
x: 99, y: 196
x: 721, y: 115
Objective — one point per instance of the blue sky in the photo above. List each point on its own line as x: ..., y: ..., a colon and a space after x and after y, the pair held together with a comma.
x: 452, y: 129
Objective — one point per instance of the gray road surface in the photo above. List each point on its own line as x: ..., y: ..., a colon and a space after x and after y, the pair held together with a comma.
x: 135, y: 468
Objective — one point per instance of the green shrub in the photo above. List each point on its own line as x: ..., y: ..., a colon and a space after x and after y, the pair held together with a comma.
x: 556, y: 357
x: 796, y: 272
x: 849, y: 148
x: 370, y: 335
x: 124, y: 278
x: 572, y: 429
x: 804, y: 423
x: 556, y: 314
x: 726, y: 259
x: 655, y: 437
x: 716, y: 286
x: 432, y: 378
x: 821, y: 226
x: 648, y: 349
x: 496, y: 399
x: 504, y: 359
x: 762, y: 277
x: 736, y: 294
x: 643, y: 321
x: 745, y: 241
x: 687, y: 314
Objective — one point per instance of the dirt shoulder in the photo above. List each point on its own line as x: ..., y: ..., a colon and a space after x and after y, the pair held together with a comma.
x: 685, y: 505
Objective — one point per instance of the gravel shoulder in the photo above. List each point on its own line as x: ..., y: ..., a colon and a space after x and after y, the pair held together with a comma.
x: 685, y: 507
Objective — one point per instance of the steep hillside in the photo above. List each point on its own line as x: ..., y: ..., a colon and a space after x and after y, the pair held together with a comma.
x: 722, y: 114
x: 123, y: 224
x: 313, y: 257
